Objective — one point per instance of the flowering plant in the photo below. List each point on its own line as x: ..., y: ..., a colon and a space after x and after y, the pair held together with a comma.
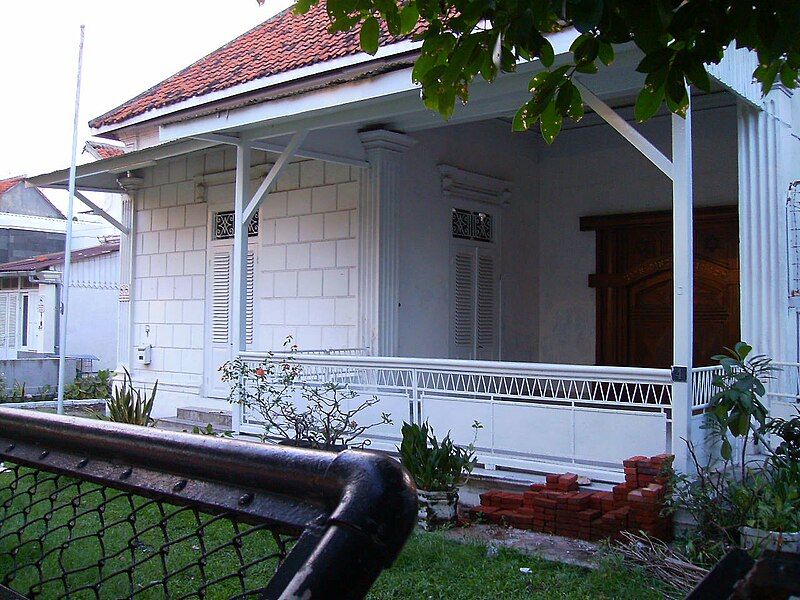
x: 305, y: 410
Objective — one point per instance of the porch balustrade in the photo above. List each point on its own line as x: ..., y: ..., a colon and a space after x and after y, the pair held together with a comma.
x: 535, y: 417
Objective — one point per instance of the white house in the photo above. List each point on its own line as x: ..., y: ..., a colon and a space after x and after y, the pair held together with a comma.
x: 29, y: 299
x: 456, y: 270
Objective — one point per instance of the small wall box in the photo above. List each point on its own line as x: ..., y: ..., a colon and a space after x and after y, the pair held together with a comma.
x: 144, y: 354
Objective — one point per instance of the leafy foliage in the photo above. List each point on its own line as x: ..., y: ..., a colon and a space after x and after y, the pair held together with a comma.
x: 466, y: 39
x: 436, y: 465
x: 737, y: 404
x: 307, y: 412
x: 90, y: 387
x: 129, y: 405
x: 763, y: 492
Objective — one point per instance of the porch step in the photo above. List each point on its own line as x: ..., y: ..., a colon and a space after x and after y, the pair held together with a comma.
x: 204, y: 416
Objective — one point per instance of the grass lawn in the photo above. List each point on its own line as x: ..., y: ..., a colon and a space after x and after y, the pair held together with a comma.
x: 434, y: 567
x: 73, y: 526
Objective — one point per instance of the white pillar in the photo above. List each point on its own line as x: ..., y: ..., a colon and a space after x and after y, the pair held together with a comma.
x: 767, y: 164
x: 126, y: 258
x: 683, y: 287
x: 378, y: 213
x: 238, y: 318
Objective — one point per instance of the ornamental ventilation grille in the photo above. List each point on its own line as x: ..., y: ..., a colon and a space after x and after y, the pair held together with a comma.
x: 223, y: 226
x: 472, y: 225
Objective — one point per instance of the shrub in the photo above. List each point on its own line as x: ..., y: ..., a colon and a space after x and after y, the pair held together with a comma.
x: 129, y: 405
x: 90, y: 387
x: 436, y: 466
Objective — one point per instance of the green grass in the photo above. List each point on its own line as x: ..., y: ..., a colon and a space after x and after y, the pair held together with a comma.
x: 430, y: 566
x: 433, y: 567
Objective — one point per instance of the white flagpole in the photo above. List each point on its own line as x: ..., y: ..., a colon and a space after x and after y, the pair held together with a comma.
x: 62, y: 331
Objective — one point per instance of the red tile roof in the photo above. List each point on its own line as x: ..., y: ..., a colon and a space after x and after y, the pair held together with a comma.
x: 102, y: 151
x: 43, y: 261
x: 7, y: 184
x: 283, y: 43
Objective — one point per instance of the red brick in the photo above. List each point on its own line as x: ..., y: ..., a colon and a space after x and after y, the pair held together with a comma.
x: 538, y: 487
x: 482, y: 512
x: 552, y: 479
x: 631, y: 462
x: 487, y: 497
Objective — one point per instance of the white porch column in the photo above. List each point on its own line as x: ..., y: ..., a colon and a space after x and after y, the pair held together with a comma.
x: 683, y: 287
x: 767, y: 150
x: 378, y: 213
x: 238, y: 318
x: 126, y: 256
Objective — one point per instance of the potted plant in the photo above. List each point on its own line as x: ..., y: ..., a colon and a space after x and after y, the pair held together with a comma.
x: 438, y: 468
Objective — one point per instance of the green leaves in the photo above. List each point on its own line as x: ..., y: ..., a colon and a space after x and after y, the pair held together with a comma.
x: 469, y: 38
x: 370, y: 35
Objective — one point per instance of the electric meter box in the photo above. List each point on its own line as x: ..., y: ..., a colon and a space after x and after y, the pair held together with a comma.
x: 144, y: 354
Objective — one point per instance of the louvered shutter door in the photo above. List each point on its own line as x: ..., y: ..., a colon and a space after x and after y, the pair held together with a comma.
x: 12, y: 320
x: 251, y: 271
x: 463, y: 305
x: 220, y: 297
x: 4, y: 321
x: 486, y: 308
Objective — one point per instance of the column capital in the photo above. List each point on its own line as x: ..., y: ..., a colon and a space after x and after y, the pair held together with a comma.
x: 386, y: 140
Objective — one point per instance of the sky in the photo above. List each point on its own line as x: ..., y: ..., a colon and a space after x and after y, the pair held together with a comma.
x: 129, y: 46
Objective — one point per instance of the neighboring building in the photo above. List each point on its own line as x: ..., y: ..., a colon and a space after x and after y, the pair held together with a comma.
x: 29, y: 223
x: 456, y: 270
x: 29, y: 300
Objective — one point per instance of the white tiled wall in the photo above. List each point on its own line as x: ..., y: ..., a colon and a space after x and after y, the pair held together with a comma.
x: 308, y: 259
x: 306, y: 285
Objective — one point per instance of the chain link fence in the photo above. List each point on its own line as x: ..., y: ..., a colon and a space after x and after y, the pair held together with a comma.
x: 100, y: 510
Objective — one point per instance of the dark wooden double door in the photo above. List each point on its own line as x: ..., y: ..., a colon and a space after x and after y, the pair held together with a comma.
x: 634, y: 286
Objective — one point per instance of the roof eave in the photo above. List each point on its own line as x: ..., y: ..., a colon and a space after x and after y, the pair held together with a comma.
x: 262, y: 84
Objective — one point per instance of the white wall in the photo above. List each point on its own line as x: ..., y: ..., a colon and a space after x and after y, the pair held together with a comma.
x: 94, y: 309
x: 308, y: 260
x: 487, y: 148
x: 306, y: 252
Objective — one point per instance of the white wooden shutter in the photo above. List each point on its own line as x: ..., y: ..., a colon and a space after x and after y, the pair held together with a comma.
x: 220, y: 297
x: 485, y: 309
x: 13, y: 302
x: 4, y: 342
x: 463, y: 304
x: 251, y: 271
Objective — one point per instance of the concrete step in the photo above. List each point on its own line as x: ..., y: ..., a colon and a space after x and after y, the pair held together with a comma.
x: 218, y: 418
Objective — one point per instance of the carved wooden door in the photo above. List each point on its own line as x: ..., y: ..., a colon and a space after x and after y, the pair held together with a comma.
x: 634, y: 286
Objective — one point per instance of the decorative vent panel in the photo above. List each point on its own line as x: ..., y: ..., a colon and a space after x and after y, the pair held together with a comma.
x: 223, y: 225
x: 472, y: 225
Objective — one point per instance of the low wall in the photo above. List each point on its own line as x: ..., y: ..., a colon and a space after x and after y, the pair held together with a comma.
x: 35, y: 373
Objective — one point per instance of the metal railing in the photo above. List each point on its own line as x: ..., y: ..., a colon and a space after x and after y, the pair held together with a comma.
x: 535, y: 417
x: 103, y: 510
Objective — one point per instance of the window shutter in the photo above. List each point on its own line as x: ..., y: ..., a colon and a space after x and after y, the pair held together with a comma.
x: 251, y: 270
x: 12, y: 320
x: 220, y: 297
x: 3, y: 320
x: 463, y: 300
x: 485, y: 325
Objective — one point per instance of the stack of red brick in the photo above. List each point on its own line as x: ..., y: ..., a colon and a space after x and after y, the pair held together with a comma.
x: 559, y: 506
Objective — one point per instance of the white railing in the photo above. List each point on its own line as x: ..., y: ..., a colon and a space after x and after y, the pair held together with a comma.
x: 535, y: 417
x: 703, y: 388
x: 335, y: 351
